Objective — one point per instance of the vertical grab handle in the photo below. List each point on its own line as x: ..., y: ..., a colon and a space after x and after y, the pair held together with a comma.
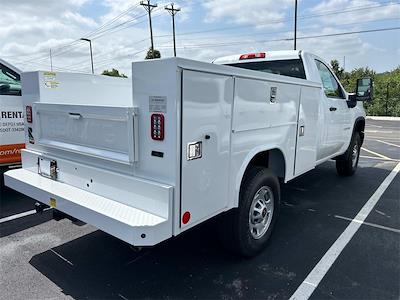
x: 136, y: 133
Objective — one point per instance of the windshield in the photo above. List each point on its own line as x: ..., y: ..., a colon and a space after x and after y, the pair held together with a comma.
x: 288, y: 67
x: 10, y: 82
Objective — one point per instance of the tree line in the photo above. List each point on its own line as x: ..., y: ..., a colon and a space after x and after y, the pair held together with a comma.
x: 386, y: 101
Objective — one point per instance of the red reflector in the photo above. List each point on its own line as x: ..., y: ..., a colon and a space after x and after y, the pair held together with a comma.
x: 186, y: 217
x: 29, y: 114
x: 157, y: 127
x: 252, y: 55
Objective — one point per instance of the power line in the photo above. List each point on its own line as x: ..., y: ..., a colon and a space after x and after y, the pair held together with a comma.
x: 125, y: 12
x: 289, y: 39
x: 277, y: 21
x: 287, y: 31
x: 69, y: 46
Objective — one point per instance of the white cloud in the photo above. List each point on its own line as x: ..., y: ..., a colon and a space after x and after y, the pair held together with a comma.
x: 249, y: 12
x: 359, y: 10
x: 29, y: 30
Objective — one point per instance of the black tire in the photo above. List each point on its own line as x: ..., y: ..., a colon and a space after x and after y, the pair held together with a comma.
x: 58, y: 215
x: 346, y: 165
x: 235, y: 232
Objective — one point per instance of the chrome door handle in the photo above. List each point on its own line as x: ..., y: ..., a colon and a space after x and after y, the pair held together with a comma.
x: 332, y: 108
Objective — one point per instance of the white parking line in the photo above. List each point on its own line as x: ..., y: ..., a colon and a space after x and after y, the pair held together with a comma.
x: 379, y: 131
x: 369, y: 224
x: 62, y: 257
x: 376, y: 154
x: 307, y: 287
x: 373, y: 138
x: 123, y: 297
x: 379, y: 158
x: 387, y: 143
x: 20, y: 215
x: 17, y: 216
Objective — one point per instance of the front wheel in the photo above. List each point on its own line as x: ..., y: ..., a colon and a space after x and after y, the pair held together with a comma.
x: 245, y: 230
x: 347, y: 165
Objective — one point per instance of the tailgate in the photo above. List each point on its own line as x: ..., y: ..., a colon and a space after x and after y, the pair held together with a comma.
x: 104, y: 132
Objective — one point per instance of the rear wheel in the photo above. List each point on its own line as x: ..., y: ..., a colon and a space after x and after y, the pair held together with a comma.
x: 246, y: 229
x: 347, y: 165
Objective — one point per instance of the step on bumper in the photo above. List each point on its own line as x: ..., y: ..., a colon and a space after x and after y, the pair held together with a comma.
x: 130, y: 224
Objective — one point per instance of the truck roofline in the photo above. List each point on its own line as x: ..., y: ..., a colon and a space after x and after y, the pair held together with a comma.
x: 269, y: 55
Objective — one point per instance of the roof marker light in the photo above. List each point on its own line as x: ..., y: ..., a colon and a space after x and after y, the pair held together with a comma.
x: 252, y: 55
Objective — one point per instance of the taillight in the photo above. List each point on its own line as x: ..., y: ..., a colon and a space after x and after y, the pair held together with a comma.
x: 157, y: 127
x: 252, y: 55
x: 29, y: 114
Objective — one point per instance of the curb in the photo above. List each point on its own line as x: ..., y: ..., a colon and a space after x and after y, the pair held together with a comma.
x: 383, y: 118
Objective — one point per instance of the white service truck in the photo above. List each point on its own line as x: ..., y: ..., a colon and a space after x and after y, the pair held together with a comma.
x: 187, y: 142
x: 11, y: 115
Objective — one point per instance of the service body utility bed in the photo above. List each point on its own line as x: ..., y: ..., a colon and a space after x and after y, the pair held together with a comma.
x: 148, y: 161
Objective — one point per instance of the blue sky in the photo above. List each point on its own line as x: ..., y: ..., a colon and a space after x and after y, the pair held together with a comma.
x: 205, y: 30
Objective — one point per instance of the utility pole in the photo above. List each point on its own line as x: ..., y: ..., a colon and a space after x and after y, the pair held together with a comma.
x: 149, y: 7
x: 344, y: 63
x: 295, y: 23
x: 51, y: 61
x: 387, y: 98
x: 91, y: 52
x: 173, y: 11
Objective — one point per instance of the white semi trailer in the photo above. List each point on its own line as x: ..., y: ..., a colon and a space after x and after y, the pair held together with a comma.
x: 187, y: 142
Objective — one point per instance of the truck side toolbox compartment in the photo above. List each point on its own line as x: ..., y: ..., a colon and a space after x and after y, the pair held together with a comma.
x: 133, y: 225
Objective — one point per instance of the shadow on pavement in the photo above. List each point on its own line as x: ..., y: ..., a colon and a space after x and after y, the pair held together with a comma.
x: 194, y: 265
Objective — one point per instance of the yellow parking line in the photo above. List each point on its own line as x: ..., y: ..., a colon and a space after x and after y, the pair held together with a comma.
x: 376, y: 154
x: 387, y: 143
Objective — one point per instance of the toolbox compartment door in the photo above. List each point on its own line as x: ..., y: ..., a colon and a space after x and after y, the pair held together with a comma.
x: 98, y: 131
x: 206, y: 121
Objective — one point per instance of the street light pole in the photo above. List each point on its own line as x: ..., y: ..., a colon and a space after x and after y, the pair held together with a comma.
x: 295, y: 24
x: 51, y: 61
x: 91, y: 52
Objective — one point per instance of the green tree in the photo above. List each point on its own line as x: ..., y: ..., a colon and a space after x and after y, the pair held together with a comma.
x: 114, y: 73
x: 150, y: 55
x: 337, y: 69
x: 386, y: 98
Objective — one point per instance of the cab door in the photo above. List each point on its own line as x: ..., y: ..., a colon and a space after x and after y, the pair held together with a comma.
x: 334, y: 111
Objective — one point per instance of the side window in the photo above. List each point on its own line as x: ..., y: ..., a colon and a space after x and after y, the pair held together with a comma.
x: 10, y: 82
x: 331, y: 86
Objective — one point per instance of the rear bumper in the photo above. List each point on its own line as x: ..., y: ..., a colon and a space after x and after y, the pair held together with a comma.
x: 130, y: 224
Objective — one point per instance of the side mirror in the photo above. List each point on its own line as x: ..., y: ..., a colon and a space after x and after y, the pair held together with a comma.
x: 364, y: 89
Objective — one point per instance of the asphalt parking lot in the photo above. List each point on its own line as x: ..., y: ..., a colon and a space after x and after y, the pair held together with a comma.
x: 44, y: 259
